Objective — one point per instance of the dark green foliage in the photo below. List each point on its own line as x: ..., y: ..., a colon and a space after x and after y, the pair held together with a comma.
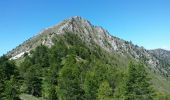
x: 33, y: 81
x: 71, y: 70
x: 56, y: 54
x: 69, y: 80
x: 40, y: 56
x: 2, y: 88
x: 100, y: 72
x: 8, y: 80
x: 53, y: 93
x: 11, y: 89
x: 137, y: 85
x: 8, y: 67
x: 105, y: 91
x: 33, y: 68
x: 25, y: 65
x: 91, y: 86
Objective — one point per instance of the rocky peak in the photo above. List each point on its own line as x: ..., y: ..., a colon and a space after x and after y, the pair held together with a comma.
x: 75, y: 24
x: 81, y: 21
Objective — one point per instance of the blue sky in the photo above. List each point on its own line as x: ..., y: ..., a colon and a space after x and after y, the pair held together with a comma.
x: 144, y: 22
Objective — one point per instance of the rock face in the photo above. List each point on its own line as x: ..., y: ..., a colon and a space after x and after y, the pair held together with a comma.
x: 97, y: 34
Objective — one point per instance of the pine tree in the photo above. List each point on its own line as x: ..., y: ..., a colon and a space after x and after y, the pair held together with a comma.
x: 2, y: 84
x: 11, y: 89
x: 137, y: 84
x: 25, y: 65
x: 40, y: 56
x: 56, y: 53
x: 91, y: 86
x: 33, y: 81
x: 7, y: 70
x: 53, y: 93
x: 69, y: 82
x: 104, y: 91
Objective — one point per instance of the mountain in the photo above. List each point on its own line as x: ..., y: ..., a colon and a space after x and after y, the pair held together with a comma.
x: 164, y: 60
x: 88, y: 33
x: 162, y: 54
x: 116, y: 51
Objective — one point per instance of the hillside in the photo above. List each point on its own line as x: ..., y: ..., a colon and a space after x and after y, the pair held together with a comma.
x: 164, y: 60
x: 74, y: 58
x: 89, y: 33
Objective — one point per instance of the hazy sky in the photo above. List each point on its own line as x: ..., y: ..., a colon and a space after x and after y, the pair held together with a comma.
x: 144, y: 22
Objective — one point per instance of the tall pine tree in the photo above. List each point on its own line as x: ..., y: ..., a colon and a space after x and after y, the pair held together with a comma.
x: 138, y: 86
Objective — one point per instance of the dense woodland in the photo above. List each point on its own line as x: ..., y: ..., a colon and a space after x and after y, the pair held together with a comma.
x: 73, y: 70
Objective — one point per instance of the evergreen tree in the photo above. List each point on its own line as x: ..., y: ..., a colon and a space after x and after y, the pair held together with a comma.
x: 53, y: 93
x: 11, y: 89
x: 50, y: 82
x: 137, y: 84
x: 33, y: 69
x: 7, y: 69
x: 40, y: 56
x: 25, y: 65
x: 69, y: 82
x: 91, y: 86
x: 104, y: 91
x: 2, y: 84
x: 56, y: 53
x: 33, y: 81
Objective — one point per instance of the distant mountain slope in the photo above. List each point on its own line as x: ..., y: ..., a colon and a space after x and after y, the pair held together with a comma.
x: 164, y: 60
x: 90, y: 33
x: 162, y: 54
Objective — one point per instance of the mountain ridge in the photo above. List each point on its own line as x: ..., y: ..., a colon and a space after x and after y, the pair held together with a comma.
x: 61, y: 27
x: 90, y: 33
x: 57, y: 29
